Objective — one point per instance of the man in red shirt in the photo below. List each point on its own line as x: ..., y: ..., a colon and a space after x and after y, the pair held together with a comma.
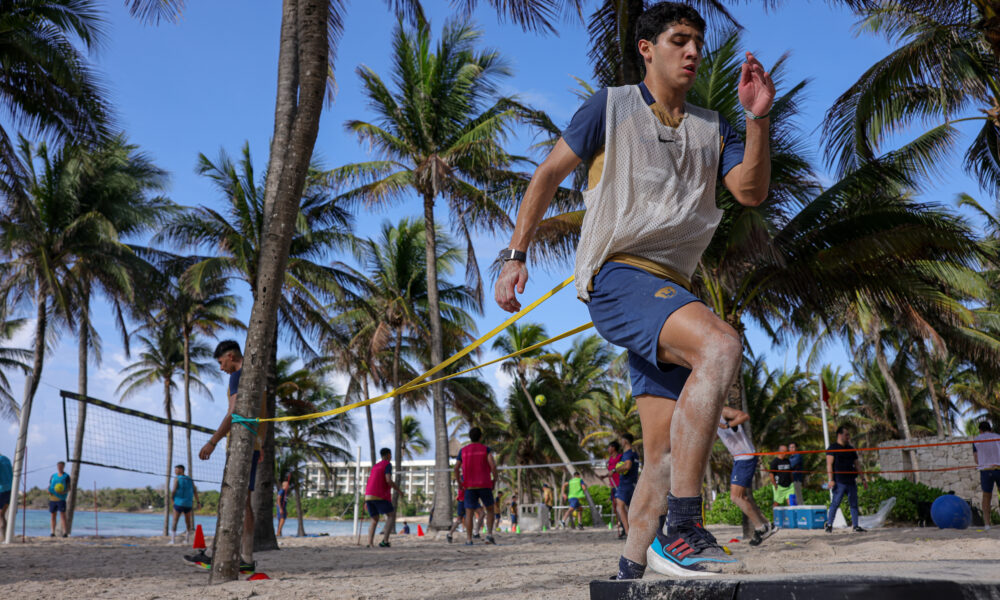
x: 476, y: 470
x: 378, y: 497
x: 614, y: 479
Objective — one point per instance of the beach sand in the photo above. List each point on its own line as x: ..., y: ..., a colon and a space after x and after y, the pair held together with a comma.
x: 548, y: 565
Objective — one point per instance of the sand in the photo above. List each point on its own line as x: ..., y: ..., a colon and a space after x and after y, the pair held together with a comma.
x: 548, y: 565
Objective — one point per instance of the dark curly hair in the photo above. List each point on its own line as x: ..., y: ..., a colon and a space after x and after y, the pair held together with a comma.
x: 660, y: 16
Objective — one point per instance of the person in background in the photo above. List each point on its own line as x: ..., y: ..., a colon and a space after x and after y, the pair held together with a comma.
x: 6, y: 477
x: 576, y: 488
x: 781, y: 476
x: 798, y: 471
x: 378, y: 498
x: 614, y: 478
x: 282, y: 500
x: 986, y: 451
x: 842, y: 471
x: 476, y: 468
x: 185, y: 495
x: 737, y: 441
x: 628, y: 468
x: 58, y: 490
x: 549, y: 500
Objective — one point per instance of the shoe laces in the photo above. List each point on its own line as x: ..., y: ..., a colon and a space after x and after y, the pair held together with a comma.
x: 697, y: 537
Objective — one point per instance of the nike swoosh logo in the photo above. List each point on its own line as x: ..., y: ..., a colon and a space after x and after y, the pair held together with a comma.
x: 660, y: 137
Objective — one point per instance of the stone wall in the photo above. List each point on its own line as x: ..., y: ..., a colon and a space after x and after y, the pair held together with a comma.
x: 964, y: 482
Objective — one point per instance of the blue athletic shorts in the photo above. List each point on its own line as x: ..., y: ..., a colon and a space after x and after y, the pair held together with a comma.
x: 461, y: 509
x: 988, y: 479
x: 743, y: 472
x: 624, y: 493
x: 476, y: 495
x: 574, y: 503
x: 182, y: 509
x: 57, y: 506
x: 4, y: 498
x: 282, y: 512
x: 629, y: 307
x: 378, y: 507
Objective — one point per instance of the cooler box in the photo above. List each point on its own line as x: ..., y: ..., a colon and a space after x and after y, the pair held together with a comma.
x: 810, y: 516
x: 784, y: 517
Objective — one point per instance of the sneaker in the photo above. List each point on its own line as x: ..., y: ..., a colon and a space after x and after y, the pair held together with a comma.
x: 448, y: 537
x: 490, y: 540
x: 562, y: 524
x: 759, y: 535
x: 470, y: 543
x: 248, y: 568
x: 621, y: 535
x: 200, y: 557
x: 580, y: 527
x: 53, y: 534
x: 384, y: 544
x: 691, y: 551
x: 475, y: 536
x: 828, y: 527
x: 859, y: 529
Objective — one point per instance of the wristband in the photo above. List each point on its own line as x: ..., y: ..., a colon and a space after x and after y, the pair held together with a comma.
x: 754, y: 117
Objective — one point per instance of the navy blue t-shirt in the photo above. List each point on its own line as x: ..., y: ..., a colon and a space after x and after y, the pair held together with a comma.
x: 586, y: 130
x: 843, y: 463
x: 234, y: 381
x: 631, y: 476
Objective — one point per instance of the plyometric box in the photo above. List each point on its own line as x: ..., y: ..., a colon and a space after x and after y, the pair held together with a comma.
x: 797, y: 588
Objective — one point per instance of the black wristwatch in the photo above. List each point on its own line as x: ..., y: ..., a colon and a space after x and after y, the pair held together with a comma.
x: 511, y: 254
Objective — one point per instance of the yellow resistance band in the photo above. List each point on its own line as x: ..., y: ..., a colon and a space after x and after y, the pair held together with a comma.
x: 416, y: 383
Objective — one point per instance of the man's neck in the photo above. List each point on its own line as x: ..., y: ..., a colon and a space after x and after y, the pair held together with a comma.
x: 669, y: 98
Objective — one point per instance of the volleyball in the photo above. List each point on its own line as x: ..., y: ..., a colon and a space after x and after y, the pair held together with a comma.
x: 621, y: 468
x: 540, y: 400
x: 59, y: 488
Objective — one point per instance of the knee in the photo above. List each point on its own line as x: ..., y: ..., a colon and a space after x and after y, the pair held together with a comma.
x: 721, y: 348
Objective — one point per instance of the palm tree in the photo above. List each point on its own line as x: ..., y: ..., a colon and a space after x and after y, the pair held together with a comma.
x: 414, y: 443
x: 115, y: 185
x: 47, y: 86
x: 159, y: 363
x: 237, y: 236
x: 10, y: 359
x: 436, y: 137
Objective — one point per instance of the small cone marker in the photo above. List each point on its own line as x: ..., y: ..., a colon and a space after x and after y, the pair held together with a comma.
x: 258, y: 577
x: 199, y: 539
x: 519, y: 529
x: 420, y: 530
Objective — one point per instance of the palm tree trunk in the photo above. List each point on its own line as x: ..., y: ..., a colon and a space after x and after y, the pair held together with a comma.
x: 368, y: 416
x: 264, y: 536
x: 442, y: 484
x: 897, y: 405
x: 397, y: 415
x: 594, y: 515
x: 187, y: 399
x: 302, y: 76
x: 298, y: 510
x: 168, y: 403
x: 631, y: 66
x: 83, y: 352
x: 30, y: 387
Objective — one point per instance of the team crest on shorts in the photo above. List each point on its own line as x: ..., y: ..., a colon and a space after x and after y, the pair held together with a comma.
x: 666, y: 292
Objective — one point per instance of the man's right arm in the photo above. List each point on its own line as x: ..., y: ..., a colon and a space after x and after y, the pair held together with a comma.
x: 220, y: 433
x: 829, y: 469
x: 542, y: 188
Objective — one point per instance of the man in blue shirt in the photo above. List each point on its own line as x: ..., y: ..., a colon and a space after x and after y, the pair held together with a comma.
x: 185, y: 495
x: 58, y: 490
x: 628, y: 470
x: 6, y: 477
x: 798, y: 471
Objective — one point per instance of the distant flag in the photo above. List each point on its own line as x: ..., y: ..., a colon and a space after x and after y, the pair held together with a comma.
x: 824, y: 393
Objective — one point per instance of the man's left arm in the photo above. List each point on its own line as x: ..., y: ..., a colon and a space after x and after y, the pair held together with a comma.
x: 749, y: 180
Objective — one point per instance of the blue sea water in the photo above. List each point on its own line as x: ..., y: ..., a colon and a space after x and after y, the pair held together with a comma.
x: 36, y: 524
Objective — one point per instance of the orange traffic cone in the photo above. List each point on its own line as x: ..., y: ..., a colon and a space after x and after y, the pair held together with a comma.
x: 420, y: 530
x: 258, y: 577
x: 199, y: 539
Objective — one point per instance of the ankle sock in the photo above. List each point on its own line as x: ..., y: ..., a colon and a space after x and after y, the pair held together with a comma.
x: 682, y: 510
x: 628, y: 569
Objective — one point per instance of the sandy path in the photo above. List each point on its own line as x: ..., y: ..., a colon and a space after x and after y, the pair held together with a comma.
x: 532, y: 566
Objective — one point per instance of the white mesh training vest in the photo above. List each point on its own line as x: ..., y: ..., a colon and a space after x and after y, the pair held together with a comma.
x: 737, y: 442
x: 656, y: 195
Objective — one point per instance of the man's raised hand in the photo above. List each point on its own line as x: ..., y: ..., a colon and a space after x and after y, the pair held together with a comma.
x: 756, y: 90
x: 512, y: 279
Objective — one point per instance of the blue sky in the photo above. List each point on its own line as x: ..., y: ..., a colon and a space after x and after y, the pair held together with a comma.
x: 209, y: 83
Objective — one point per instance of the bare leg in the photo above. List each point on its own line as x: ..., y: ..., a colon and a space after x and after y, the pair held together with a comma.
x: 650, y: 500
x: 246, y: 549
x: 390, y: 526
x: 987, y: 509
x: 741, y: 498
x: 53, y: 519
x: 468, y: 524
x: 177, y: 516
x: 281, y: 524
x: 371, y: 531
x: 622, y: 511
x: 188, y: 521
x: 490, y: 520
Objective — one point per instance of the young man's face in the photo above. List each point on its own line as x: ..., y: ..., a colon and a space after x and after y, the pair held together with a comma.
x: 60, y: 467
x: 178, y: 471
x: 228, y: 363
x: 674, y: 56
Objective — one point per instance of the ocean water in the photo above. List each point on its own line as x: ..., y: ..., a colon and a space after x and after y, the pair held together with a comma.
x: 36, y: 524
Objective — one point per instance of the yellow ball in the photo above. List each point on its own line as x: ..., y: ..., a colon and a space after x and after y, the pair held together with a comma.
x: 60, y: 488
x: 540, y: 400
x: 621, y: 468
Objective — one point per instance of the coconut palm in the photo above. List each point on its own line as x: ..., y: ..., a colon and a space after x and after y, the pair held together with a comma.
x: 160, y: 362
x: 437, y: 135
x: 10, y: 359
x: 46, y: 85
x: 414, y: 442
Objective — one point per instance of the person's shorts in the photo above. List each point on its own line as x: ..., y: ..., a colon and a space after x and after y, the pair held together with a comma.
x: 379, y: 507
x: 743, y: 472
x: 988, y: 479
x: 57, y: 506
x: 783, y: 492
x: 629, y: 307
x: 624, y: 493
x: 574, y: 503
x: 253, y: 469
x: 282, y: 513
x: 476, y: 495
x: 460, y: 508
x: 4, y: 499
x: 182, y: 509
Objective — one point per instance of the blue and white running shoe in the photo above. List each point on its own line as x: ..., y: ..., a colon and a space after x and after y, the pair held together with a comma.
x: 690, y: 551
